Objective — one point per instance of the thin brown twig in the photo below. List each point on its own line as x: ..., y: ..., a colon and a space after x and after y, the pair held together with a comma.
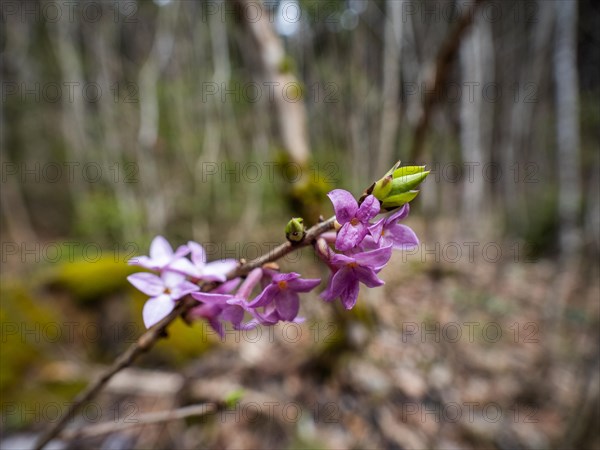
x: 144, y: 419
x: 150, y: 337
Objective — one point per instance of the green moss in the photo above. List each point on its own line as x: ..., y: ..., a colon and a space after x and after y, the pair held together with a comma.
x: 185, y: 342
x: 91, y: 280
x: 24, y: 344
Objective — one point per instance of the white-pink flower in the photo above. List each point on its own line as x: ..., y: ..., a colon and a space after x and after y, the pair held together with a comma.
x: 163, y: 257
x: 164, y: 291
x: 212, y: 271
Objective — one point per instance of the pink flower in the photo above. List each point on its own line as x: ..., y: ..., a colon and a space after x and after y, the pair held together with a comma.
x: 388, y: 231
x: 164, y: 291
x: 212, y: 271
x: 222, y: 306
x: 352, y: 270
x: 354, y: 219
x: 280, y: 297
x: 163, y: 257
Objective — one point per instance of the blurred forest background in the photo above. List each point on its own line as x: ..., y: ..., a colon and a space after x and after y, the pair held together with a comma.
x: 217, y: 121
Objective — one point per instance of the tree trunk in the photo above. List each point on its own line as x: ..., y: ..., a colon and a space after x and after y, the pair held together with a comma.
x: 567, y: 125
x: 390, y: 115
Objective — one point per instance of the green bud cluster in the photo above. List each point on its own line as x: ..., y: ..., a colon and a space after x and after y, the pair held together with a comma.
x: 397, y: 186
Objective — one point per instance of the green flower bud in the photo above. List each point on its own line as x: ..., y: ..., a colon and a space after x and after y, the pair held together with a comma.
x: 397, y: 200
x: 397, y: 186
x: 382, y: 187
x: 295, y: 230
x: 406, y: 183
x: 408, y: 170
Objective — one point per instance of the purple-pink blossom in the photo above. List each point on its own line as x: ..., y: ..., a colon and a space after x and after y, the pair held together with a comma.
x: 353, y: 218
x: 224, y: 307
x: 351, y: 270
x: 280, y: 297
x: 388, y: 231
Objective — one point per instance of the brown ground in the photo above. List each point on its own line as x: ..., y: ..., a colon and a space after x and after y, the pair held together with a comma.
x: 445, y: 355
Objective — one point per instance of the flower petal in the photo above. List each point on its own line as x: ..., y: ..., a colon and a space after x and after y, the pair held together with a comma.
x: 160, y: 249
x: 172, y: 279
x: 148, y: 283
x: 285, y: 277
x: 210, y: 298
x: 205, y: 311
x: 376, y: 230
x: 304, y: 285
x: 350, y: 236
x: 268, y: 317
x: 368, y: 209
x: 339, y: 259
x: 374, y: 259
x: 249, y: 283
x: 226, y: 287
x: 367, y: 244
x: 328, y: 294
x: 198, y: 255
x: 344, y: 205
x: 342, y: 280
x: 184, y: 266
x: 401, y: 237
x: 367, y: 277
x: 211, y: 314
x: 266, y: 296
x: 156, y: 309
x: 287, y: 304
x: 219, y: 269
x: 181, y: 251
x: 329, y: 236
x: 399, y: 214
x: 350, y: 295
x: 233, y: 314
x: 183, y: 289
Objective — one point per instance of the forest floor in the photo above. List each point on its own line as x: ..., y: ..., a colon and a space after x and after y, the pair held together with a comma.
x: 474, y: 354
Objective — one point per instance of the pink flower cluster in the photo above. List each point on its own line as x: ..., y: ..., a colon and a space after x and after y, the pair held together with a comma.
x: 364, y: 248
x: 178, y: 276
